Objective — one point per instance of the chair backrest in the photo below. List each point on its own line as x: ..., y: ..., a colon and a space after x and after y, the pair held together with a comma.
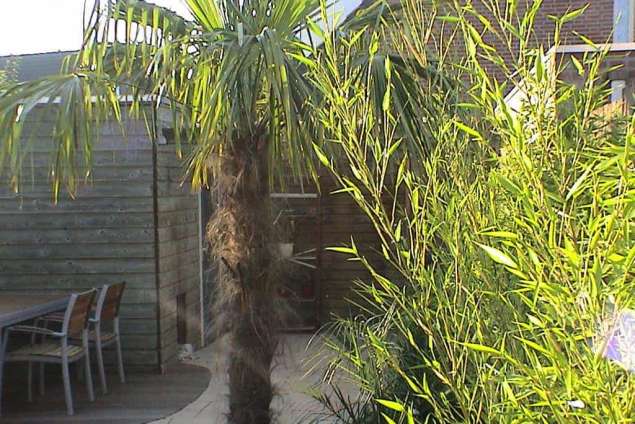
x: 109, y: 301
x: 77, y: 313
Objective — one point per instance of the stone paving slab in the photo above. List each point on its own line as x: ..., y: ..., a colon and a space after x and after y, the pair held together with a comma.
x: 293, y: 403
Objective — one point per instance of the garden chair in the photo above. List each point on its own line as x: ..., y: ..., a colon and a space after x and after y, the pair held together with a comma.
x: 56, y: 346
x: 105, y: 310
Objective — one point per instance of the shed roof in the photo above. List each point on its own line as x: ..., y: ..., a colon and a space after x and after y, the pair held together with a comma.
x: 37, y: 65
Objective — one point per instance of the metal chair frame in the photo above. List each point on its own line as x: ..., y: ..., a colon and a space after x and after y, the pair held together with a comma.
x: 99, y: 342
x: 96, y: 339
x: 68, y: 354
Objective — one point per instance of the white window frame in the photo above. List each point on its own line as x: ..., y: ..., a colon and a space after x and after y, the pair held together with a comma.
x: 623, y: 32
x: 623, y: 21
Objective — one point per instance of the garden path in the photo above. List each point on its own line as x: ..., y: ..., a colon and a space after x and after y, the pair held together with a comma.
x: 293, y: 405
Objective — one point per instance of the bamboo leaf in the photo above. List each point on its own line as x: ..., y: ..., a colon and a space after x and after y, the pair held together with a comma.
x: 321, y: 156
x: 346, y: 250
x: 574, y: 14
x: 395, y: 406
x: 388, y: 419
x: 501, y: 234
x: 534, y: 346
x: 481, y: 348
x: 498, y: 256
x: 577, y: 185
x: 468, y: 130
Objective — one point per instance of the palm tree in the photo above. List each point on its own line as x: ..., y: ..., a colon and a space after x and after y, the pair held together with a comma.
x: 237, y: 78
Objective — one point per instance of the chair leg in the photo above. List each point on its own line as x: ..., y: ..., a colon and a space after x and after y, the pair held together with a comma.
x: 87, y: 370
x: 89, y: 378
x: 80, y: 372
x: 30, y: 382
x: 67, y: 387
x: 45, y: 324
x: 3, y: 348
x: 122, y: 375
x: 30, y: 373
x: 41, y: 378
x: 100, y: 363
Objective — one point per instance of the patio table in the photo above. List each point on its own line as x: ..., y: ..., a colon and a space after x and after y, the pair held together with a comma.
x: 15, y: 308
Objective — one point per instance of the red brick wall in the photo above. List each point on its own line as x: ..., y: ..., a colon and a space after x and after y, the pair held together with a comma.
x: 596, y: 23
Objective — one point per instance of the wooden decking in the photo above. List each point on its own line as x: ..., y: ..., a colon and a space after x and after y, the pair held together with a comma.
x: 144, y: 398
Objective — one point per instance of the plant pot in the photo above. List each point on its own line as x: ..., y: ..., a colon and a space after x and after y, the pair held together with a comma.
x: 285, y: 250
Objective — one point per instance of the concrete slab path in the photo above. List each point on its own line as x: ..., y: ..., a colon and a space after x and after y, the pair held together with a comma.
x: 293, y: 405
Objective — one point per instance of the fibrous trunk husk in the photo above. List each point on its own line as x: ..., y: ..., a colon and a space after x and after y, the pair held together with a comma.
x: 240, y: 236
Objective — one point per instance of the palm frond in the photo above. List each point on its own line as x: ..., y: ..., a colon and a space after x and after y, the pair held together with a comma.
x: 237, y: 70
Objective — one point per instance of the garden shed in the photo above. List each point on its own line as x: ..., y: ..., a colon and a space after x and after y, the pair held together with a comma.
x: 134, y: 219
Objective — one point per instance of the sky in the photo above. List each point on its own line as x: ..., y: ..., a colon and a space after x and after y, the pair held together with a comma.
x: 36, y: 26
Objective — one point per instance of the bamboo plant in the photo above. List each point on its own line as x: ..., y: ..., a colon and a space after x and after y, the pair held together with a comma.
x: 509, y: 242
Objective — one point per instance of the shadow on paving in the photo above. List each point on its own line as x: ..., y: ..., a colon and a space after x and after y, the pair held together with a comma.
x: 144, y: 397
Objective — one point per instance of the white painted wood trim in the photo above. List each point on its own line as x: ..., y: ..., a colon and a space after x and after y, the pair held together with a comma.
x: 517, y: 94
x: 584, y: 48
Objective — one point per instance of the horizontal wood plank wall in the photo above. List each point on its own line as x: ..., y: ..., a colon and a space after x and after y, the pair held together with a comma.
x: 341, y: 221
x: 104, y: 235
x: 178, y: 247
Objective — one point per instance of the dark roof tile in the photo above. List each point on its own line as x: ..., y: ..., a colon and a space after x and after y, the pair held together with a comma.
x: 38, y: 65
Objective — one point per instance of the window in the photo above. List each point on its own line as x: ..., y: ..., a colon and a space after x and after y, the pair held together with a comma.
x: 623, y: 14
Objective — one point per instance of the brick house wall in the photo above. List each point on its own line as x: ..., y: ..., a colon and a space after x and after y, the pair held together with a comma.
x: 596, y: 23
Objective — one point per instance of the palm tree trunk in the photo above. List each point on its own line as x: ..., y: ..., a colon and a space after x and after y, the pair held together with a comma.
x: 240, y: 235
